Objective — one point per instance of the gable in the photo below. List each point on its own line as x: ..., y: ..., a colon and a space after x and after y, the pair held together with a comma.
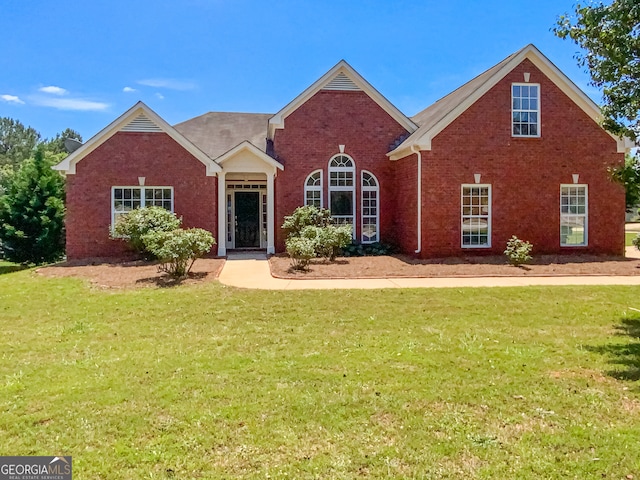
x: 342, y: 77
x: 140, y: 119
x: 445, y: 111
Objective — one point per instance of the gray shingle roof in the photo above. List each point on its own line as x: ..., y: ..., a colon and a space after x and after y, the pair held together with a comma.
x: 218, y: 132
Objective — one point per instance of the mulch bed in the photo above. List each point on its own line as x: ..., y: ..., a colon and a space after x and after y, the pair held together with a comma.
x: 110, y: 273
x: 489, y: 266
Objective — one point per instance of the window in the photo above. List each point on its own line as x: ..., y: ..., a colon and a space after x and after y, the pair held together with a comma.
x: 125, y: 199
x: 369, y: 208
x: 525, y: 110
x: 342, y: 189
x: 476, y: 216
x: 573, y: 215
x: 313, y: 189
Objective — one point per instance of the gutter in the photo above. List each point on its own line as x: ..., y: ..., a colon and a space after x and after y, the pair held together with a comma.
x: 416, y: 149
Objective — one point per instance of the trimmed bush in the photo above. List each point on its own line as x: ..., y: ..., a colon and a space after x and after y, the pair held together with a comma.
x: 518, y: 251
x: 177, y: 250
x: 301, y: 250
x: 636, y: 241
x: 328, y: 241
x: 133, y: 226
x: 306, y: 216
x: 367, y: 249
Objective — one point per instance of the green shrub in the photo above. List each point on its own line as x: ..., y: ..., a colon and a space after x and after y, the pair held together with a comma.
x: 518, y: 251
x: 329, y: 240
x: 133, y: 226
x: 306, y: 216
x: 177, y: 250
x: 32, y: 212
x: 367, y: 249
x: 301, y: 250
x: 636, y: 241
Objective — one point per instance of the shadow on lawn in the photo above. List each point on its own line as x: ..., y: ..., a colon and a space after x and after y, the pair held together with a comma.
x: 11, y: 268
x: 624, y: 356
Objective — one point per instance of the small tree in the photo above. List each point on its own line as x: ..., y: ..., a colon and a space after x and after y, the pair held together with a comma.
x: 133, y: 226
x: 329, y: 240
x: 32, y: 213
x: 178, y: 250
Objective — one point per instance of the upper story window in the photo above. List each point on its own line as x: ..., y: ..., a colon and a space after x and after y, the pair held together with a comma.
x: 125, y: 199
x: 525, y: 110
x: 313, y: 189
x: 342, y: 189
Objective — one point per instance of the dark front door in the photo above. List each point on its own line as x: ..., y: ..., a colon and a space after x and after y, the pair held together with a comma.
x: 247, y: 219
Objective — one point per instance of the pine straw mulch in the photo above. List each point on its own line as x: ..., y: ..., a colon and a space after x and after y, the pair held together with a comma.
x: 481, y: 266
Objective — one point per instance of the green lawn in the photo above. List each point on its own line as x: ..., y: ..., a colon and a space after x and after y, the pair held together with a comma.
x: 212, y: 382
x: 628, y: 237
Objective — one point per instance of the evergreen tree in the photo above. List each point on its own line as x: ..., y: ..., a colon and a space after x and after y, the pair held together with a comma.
x: 32, y: 213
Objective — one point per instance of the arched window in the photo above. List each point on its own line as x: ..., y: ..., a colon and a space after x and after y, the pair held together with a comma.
x: 342, y: 190
x: 313, y: 189
x: 370, y: 210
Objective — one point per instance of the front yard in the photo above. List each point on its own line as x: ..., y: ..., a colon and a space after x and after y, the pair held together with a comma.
x: 204, y: 381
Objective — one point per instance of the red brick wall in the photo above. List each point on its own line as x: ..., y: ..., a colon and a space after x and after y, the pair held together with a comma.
x: 311, y: 137
x: 119, y: 162
x: 525, y: 173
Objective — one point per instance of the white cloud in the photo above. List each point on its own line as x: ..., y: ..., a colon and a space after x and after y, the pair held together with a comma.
x: 129, y: 90
x: 70, y: 104
x: 12, y: 99
x: 159, y: 96
x: 169, y: 83
x: 53, y: 90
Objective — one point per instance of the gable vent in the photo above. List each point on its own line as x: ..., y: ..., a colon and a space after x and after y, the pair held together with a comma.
x: 341, y: 82
x: 141, y: 123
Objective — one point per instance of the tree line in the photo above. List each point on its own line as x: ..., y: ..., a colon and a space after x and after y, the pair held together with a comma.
x: 32, y: 195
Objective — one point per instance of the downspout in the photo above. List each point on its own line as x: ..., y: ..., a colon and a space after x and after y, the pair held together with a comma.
x: 416, y: 149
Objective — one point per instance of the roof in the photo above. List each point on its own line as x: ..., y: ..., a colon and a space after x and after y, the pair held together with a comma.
x: 341, y: 77
x: 215, y: 133
x: 142, y: 119
x: 438, y: 116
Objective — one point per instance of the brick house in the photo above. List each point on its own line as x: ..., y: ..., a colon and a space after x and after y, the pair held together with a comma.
x: 516, y: 151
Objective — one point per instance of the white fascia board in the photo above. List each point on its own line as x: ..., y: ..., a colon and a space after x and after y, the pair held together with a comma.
x: 68, y: 165
x: 277, y: 121
x: 247, y: 145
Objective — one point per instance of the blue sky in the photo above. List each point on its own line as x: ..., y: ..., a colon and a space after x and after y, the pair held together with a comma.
x: 80, y: 64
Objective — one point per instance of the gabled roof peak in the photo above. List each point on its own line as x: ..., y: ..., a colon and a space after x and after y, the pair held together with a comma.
x: 341, y: 76
x: 139, y: 118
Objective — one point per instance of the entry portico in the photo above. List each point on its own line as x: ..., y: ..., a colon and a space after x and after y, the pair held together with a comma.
x: 246, y: 199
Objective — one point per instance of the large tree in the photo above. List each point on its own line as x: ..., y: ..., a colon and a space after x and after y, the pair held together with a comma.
x: 609, y: 34
x: 32, y: 212
x: 16, y: 141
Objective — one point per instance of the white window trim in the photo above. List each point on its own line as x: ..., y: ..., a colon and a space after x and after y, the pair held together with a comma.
x: 340, y: 188
x: 538, y: 111
x: 368, y: 188
x: 142, y: 197
x: 489, y: 215
x: 309, y: 188
x: 577, y: 215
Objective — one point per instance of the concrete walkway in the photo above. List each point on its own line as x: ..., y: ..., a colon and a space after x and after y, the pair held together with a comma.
x: 251, y: 270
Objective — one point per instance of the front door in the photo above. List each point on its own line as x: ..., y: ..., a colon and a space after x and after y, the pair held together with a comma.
x: 247, y: 210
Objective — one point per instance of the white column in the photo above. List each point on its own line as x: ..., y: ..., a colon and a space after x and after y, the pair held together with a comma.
x: 270, y: 214
x: 222, y: 215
